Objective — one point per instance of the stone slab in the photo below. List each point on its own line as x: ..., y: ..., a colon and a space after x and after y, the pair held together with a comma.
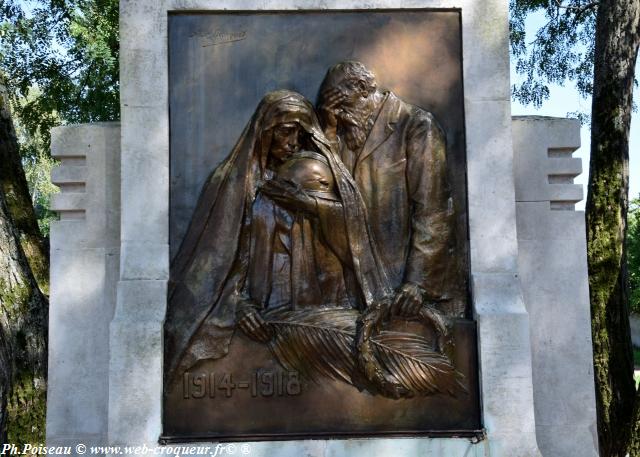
x: 553, y: 272
x: 84, y: 271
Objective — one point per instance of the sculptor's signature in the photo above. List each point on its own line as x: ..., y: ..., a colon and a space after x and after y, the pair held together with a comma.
x: 219, y: 37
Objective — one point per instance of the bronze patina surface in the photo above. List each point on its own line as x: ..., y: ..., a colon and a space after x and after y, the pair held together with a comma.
x: 248, y: 395
x: 320, y: 286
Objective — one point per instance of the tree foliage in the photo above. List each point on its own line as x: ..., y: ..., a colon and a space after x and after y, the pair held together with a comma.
x: 561, y: 50
x: 37, y: 163
x: 60, y: 58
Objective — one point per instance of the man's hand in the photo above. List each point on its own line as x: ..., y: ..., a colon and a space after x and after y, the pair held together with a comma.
x: 252, y: 324
x: 289, y: 195
x: 331, y: 100
x: 408, y: 300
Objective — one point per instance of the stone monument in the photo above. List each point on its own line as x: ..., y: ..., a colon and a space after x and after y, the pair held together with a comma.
x: 317, y: 230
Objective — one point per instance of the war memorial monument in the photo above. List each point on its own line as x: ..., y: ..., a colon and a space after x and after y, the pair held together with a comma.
x: 317, y: 230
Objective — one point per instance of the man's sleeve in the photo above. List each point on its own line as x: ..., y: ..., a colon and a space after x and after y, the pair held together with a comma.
x: 432, y: 207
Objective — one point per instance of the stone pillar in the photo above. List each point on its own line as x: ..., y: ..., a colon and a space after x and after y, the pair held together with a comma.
x: 85, y: 245
x: 553, y: 274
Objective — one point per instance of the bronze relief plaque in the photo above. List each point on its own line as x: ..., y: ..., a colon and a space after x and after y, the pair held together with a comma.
x: 318, y: 229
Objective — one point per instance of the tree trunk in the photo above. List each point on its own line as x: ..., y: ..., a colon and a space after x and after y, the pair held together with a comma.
x: 606, y: 211
x: 13, y: 184
x: 23, y: 341
x: 6, y: 372
x: 23, y: 319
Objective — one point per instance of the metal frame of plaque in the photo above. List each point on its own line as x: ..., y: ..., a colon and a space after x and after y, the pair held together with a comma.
x: 318, y: 227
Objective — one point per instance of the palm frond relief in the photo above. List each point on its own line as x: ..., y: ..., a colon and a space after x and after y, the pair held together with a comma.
x: 327, y: 343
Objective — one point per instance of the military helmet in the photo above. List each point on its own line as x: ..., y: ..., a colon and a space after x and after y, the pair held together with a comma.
x: 309, y: 170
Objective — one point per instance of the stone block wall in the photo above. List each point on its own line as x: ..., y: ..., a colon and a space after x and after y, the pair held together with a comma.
x: 552, y: 264
x: 85, y: 246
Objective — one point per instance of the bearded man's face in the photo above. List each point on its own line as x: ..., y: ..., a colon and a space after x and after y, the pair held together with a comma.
x: 353, y: 125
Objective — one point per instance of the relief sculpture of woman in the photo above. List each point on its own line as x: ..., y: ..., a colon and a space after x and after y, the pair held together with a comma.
x: 279, y: 248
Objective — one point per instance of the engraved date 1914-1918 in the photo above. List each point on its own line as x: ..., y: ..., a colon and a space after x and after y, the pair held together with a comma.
x: 262, y: 383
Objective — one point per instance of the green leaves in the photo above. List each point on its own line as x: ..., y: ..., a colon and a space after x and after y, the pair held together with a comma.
x: 60, y: 59
x: 560, y: 50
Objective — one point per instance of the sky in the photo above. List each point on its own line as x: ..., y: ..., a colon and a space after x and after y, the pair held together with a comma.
x: 566, y: 99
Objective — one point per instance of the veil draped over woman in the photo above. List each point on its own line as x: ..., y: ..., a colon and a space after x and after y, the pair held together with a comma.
x: 209, y: 269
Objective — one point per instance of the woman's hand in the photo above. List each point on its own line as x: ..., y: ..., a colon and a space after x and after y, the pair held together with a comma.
x: 289, y: 195
x: 252, y: 324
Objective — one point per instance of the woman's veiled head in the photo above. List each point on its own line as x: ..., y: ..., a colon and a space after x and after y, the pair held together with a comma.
x: 285, y: 141
x: 288, y: 123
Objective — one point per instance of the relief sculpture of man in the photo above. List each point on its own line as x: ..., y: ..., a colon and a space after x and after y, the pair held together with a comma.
x: 396, y: 153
